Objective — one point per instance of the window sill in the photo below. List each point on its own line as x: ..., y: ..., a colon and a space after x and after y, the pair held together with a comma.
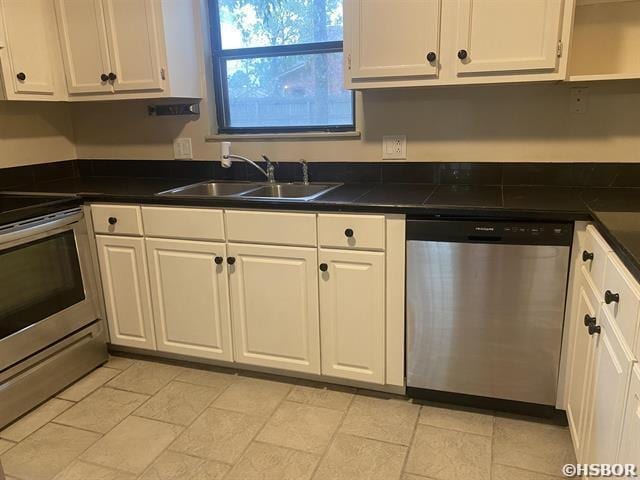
x: 283, y: 136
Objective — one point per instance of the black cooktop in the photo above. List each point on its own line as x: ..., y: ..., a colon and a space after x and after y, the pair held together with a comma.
x: 15, y: 207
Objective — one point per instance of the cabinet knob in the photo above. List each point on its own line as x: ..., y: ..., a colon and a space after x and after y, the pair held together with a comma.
x: 595, y: 329
x: 112, y: 220
x: 348, y: 233
x: 586, y: 256
x: 431, y: 57
x: 462, y: 54
x: 113, y: 77
x: 21, y: 76
x: 610, y: 297
x: 231, y: 260
x: 218, y: 260
x: 104, y: 77
x: 324, y: 267
x: 589, y: 320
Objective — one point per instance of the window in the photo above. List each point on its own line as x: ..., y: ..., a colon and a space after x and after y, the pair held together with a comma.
x: 278, y: 66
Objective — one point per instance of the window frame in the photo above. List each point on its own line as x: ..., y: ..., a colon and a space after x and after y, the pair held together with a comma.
x: 221, y: 93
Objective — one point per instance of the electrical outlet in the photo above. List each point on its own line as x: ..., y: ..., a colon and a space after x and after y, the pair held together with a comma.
x: 182, y: 149
x: 394, y: 147
x: 579, y: 100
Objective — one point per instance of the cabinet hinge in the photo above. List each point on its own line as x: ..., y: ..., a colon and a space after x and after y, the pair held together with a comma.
x: 349, y: 61
x: 162, y: 74
x: 559, y: 49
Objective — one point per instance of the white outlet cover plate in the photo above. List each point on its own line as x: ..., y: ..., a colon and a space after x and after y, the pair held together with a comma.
x: 394, y: 147
x: 182, y: 149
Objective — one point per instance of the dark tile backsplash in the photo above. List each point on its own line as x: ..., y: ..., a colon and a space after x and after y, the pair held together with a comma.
x: 429, y: 173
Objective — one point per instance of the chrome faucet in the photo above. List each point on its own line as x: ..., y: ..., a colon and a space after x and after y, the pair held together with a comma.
x: 226, y: 156
x: 271, y: 170
x: 305, y: 172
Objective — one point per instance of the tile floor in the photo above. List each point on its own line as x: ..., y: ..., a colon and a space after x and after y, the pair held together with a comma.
x: 136, y: 419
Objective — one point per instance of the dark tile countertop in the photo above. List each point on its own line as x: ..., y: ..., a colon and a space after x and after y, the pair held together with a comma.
x: 543, y: 203
x: 616, y: 211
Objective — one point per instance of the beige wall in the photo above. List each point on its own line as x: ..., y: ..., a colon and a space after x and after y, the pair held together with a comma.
x: 468, y: 123
x: 35, y: 132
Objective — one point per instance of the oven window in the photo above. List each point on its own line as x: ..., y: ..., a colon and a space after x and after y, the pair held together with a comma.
x: 38, y: 279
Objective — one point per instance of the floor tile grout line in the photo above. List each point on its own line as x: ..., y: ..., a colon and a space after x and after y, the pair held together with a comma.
x: 41, y: 426
x: 413, y: 436
x: 333, y: 437
x: 528, y: 470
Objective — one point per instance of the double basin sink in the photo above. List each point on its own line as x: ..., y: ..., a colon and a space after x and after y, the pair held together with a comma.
x: 254, y: 190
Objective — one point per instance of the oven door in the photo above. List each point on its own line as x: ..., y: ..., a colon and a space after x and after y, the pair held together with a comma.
x: 47, y: 284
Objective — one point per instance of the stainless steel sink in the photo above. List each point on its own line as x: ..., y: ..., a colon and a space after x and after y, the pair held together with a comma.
x: 254, y: 190
x: 212, y: 189
x: 290, y: 191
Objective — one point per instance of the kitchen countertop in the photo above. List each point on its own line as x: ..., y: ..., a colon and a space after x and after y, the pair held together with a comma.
x: 616, y: 211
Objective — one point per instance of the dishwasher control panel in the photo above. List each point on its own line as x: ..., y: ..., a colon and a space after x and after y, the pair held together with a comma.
x: 519, y: 233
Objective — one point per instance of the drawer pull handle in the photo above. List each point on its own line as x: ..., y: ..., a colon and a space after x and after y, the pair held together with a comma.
x: 231, y: 260
x: 112, y: 220
x: 324, y: 267
x: 21, y: 76
x: 586, y: 256
x: 589, y: 320
x: 104, y: 77
x: 593, y: 329
x: 218, y: 260
x: 431, y: 57
x: 462, y: 54
x: 610, y: 297
x: 348, y: 233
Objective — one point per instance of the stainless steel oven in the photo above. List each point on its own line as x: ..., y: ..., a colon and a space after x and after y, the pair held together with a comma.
x: 50, y: 333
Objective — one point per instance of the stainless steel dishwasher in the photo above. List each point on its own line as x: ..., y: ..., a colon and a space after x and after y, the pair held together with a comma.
x: 485, y: 311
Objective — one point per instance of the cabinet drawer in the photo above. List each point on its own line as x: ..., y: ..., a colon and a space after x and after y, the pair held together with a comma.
x: 186, y: 223
x: 596, y: 246
x: 117, y: 219
x: 364, y: 232
x: 624, y: 312
x: 272, y: 228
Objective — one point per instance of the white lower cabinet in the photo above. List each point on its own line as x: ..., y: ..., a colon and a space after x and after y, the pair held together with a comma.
x: 190, y: 297
x: 352, y: 314
x: 612, y: 364
x: 125, y: 284
x: 274, y: 306
x: 630, y: 446
x: 581, y: 363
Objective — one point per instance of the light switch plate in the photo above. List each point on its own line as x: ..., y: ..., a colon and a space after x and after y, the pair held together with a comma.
x: 394, y: 147
x: 182, y: 149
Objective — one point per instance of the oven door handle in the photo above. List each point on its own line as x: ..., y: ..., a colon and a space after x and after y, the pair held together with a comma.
x: 50, y: 222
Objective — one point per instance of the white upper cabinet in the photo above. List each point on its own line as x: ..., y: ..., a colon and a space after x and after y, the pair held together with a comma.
x: 117, y: 49
x: 429, y: 42
x: 507, y: 36
x: 412, y: 49
x: 29, y: 53
x: 134, y: 50
x: 84, y: 45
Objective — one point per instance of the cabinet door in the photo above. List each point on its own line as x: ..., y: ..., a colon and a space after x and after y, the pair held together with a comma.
x: 630, y: 446
x: 352, y: 317
x: 581, y: 363
x: 28, y: 57
x: 274, y: 306
x: 134, y: 49
x: 611, y: 376
x: 123, y: 268
x: 84, y: 45
x: 190, y: 298
x: 392, y: 39
x: 503, y: 35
